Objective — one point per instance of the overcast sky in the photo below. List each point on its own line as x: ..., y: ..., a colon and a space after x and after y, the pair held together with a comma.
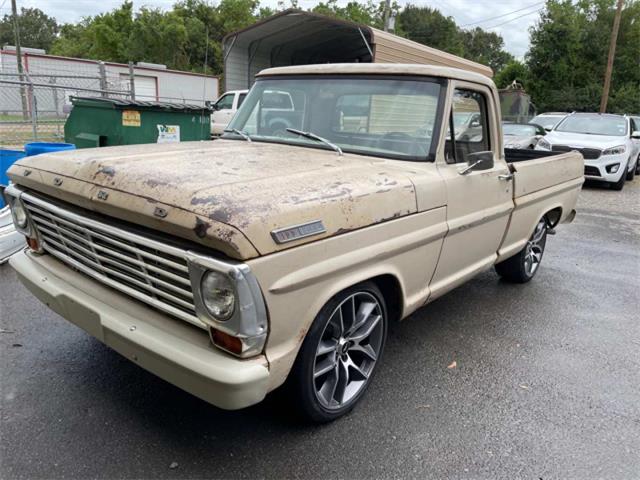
x: 493, y: 15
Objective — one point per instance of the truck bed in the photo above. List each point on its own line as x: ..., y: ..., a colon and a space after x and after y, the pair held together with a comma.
x: 513, y: 155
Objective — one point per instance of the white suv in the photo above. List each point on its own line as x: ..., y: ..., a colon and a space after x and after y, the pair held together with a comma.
x: 607, y: 142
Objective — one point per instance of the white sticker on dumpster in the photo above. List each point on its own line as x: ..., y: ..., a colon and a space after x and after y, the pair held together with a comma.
x: 168, y: 133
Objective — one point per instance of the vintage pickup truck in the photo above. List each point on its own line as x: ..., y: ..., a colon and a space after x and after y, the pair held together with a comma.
x: 280, y: 255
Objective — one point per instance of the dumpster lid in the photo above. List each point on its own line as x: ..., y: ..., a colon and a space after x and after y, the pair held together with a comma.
x: 120, y: 103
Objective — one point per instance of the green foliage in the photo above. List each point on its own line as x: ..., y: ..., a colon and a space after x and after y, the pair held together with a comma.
x: 568, y: 55
x: 37, y: 30
x: 512, y: 71
x: 428, y: 26
x: 485, y: 47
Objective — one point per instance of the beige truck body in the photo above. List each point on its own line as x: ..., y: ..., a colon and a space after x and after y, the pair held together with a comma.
x: 419, y: 229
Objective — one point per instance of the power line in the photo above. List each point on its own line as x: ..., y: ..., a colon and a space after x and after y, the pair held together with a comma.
x: 503, y: 15
x: 516, y: 18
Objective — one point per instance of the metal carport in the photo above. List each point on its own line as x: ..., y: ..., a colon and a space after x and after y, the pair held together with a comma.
x: 294, y: 37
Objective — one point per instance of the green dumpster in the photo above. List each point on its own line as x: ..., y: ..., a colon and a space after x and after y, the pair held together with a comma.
x: 103, y: 122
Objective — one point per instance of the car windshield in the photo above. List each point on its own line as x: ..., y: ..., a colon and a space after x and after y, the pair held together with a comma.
x: 384, y: 117
x: 518, y: 129
x: 594, y: 125
x: 547, y: 121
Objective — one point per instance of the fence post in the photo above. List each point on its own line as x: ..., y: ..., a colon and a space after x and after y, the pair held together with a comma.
x: 132, y: 82
x: 34, y: 111
x: 103, y: 79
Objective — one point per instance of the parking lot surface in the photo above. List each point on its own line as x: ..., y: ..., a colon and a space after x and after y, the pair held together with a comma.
x: 546, y: 384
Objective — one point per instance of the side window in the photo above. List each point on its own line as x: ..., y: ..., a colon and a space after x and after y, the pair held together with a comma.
x: 468, y: 126
x: 226, y: 102
x: 241, y: 99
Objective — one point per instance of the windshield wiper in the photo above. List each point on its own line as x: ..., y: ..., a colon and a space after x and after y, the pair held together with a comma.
x: 317, y: 138
x: 238, y: 132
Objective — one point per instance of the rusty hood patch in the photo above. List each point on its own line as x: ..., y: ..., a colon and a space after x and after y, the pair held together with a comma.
x: 227, y: 194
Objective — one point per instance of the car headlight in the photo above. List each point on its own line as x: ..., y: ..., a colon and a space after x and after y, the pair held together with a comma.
x: 615, y: 150
x: 218, y: 295
x: 19, y: 214
x: 543, y: 144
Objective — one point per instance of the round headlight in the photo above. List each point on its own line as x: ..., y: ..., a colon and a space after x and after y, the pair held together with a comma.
x: 218, y: 295
x: 19, y: 214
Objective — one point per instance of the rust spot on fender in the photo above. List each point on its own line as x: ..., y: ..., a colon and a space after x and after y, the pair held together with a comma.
x: 201, y: 228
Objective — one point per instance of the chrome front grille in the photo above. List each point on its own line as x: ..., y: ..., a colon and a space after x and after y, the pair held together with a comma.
x: 143, y: 268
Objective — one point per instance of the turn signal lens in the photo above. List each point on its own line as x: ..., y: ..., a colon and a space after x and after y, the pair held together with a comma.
x: 226, y: 342
x: 33, y: 244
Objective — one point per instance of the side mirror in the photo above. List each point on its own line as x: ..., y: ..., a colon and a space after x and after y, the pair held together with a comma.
x: 478, y: 161
x: 548, y: 129
x: 636, y: 135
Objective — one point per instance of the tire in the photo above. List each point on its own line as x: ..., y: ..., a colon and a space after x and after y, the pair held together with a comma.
x: 632, y: 173
x: 336, y: 363
x: 638, y: 165
x: 619, y: 185
x: 523, y: 266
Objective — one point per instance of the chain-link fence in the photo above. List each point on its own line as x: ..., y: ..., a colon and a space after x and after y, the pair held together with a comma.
x: 34, y: 106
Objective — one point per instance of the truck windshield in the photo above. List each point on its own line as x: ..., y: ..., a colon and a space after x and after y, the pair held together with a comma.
x: 594, y: 125
x: 391, y: 118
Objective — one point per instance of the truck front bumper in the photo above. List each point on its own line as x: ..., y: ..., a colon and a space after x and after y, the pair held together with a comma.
x: 178, y: 352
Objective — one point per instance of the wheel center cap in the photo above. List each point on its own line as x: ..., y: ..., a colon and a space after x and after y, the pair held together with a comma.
x: 343, y: 346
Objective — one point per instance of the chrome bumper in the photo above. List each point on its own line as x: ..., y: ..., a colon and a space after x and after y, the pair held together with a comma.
x: 173, y: 350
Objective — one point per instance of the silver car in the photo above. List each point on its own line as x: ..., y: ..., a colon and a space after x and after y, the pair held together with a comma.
x: 522, y: 135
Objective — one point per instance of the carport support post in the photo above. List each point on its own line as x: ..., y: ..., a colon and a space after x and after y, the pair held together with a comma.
x: 132, y: 82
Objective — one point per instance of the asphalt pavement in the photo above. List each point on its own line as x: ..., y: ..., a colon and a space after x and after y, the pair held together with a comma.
x: 545, y: 385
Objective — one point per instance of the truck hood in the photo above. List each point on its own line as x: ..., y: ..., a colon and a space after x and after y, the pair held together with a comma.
x: 226, y: 194
x: 582, y: 140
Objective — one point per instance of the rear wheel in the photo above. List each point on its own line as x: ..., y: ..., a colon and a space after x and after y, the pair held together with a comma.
x: 340, y: 353
x: 523, y: 266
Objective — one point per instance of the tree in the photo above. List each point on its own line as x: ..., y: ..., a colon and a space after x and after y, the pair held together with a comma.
x: 513, y: 71
x: 37, y: 30
x: 568, y: 55
x: 428, y: 26
x: 485, y: 47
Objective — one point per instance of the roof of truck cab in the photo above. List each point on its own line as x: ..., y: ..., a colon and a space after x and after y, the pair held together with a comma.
x: 380, y: 69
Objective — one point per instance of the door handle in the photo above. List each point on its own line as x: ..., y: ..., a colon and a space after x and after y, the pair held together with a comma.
x: 506, y: 177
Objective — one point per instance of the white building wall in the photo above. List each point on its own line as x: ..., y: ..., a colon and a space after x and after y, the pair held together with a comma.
x: 151, y: 84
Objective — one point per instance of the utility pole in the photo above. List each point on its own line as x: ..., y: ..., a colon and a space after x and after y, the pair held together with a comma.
x: 16, y: 34
x: 387, y: 11
x: 612, y: 53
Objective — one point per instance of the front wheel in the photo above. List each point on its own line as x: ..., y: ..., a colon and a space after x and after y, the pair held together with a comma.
x: 340, y: 353
x: 523, y: 266
x: 619, y: 185
x: 631, y: 173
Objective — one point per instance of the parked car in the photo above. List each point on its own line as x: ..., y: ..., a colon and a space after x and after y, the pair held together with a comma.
x: 548, y: 120
x: 607, y: 142
x: 10, y: 239
x: 522, y: 135
x: 636, y: 120
x: 224, y: 109
x: 270, y: 256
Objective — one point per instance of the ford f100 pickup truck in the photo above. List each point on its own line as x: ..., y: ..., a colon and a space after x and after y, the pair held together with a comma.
x: 281, y: 252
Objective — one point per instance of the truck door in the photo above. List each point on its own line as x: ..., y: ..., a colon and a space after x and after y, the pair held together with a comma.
x: 478, y: 202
